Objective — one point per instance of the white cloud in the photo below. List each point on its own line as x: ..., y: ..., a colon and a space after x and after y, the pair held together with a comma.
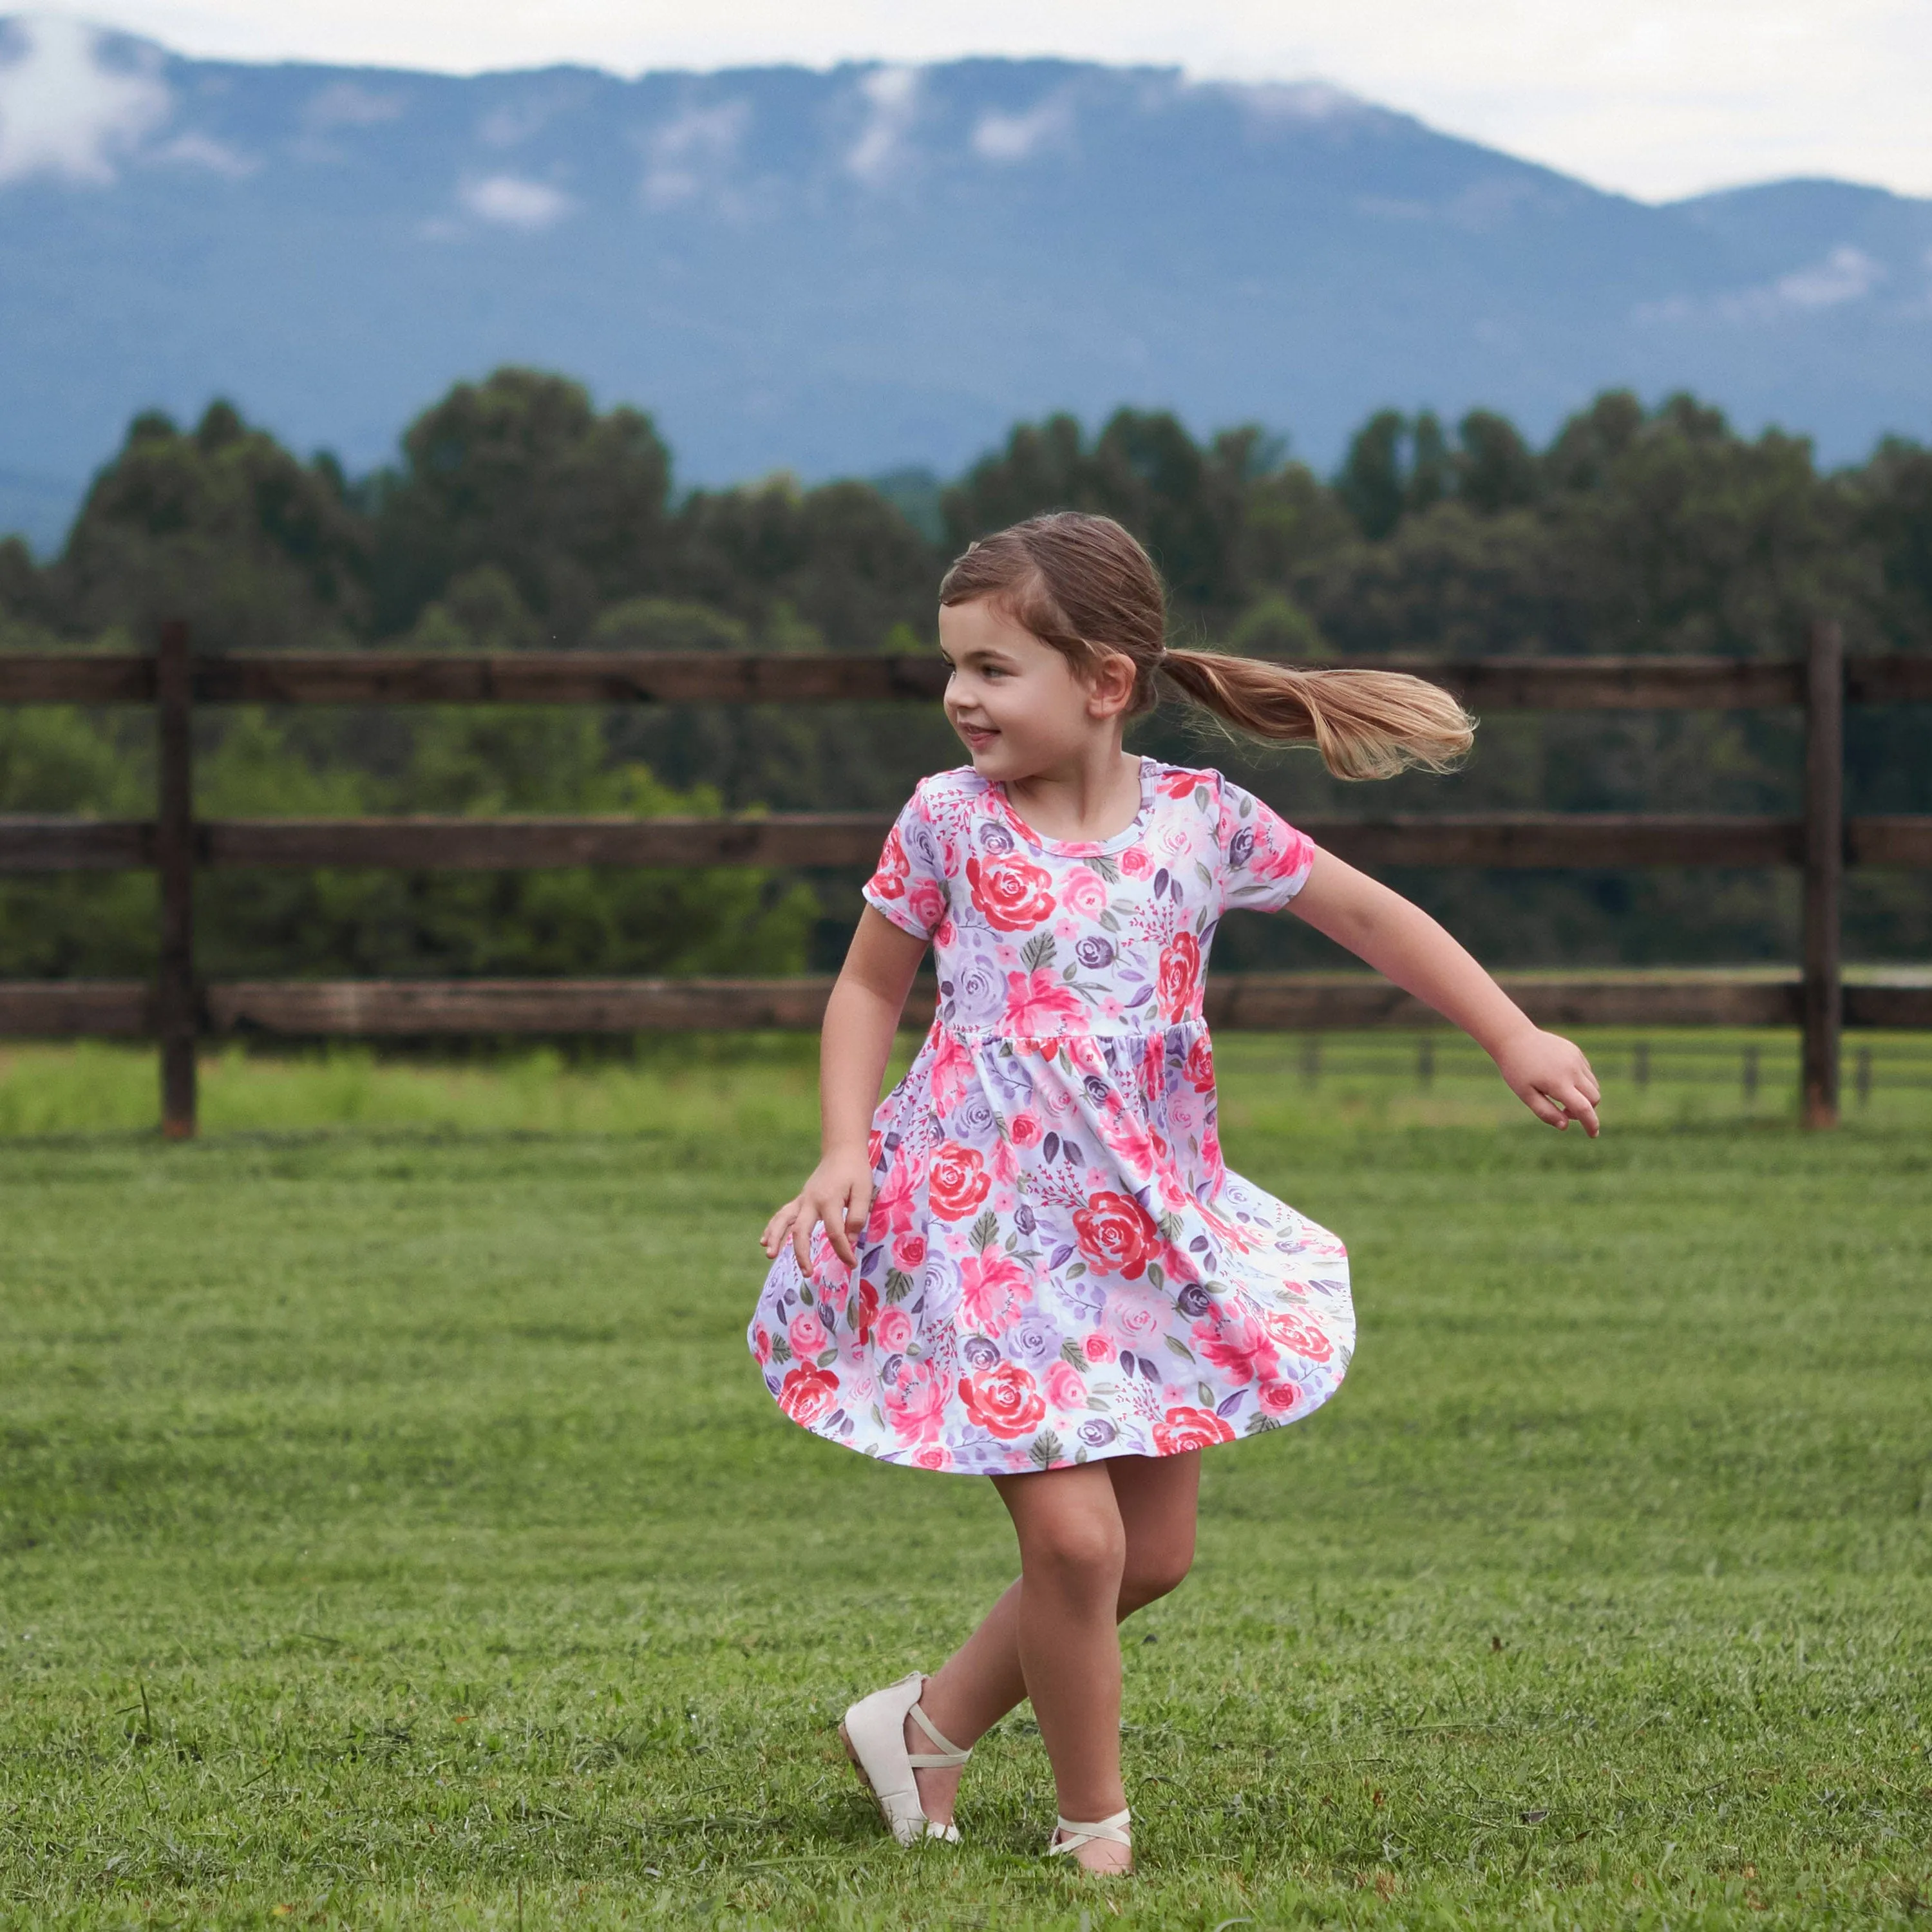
x: 511, y: 202
x: 1014, y: 137
x: 1846, y: 274
x: 891, y: 94
x: 194, y: 150
x: 69, y: 106
x: 692, y: 150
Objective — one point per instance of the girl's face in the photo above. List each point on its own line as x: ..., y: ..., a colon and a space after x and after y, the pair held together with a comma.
x: 1015, y: 702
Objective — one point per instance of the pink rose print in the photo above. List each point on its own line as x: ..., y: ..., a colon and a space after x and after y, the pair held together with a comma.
x: 1082, y: 892
x: 1039, y: 1006
x: 893, y: 1329
x: 1064, y: 1388
x: 1098, y: 1348
x: 1135, y: 863
x: 868, y: 1309
x: 807, y: 1335
x: 1200, y: 1068
x: 916, y: 1408
x: 808, y: 1394
x: 1278, y: 1398
x: 895, y: 867
x: 1182, y: 1429
x: 1012, y: 895
x: 994, y: 1291
x: 761, y: 1344
x: 1005, y: 1401
x: 1138, y: 1321
x: 1116, y: 1234
x: 1178, y: 783
x: 1180, y: 975
x: 1025, y: 1130
x: 932, y: 1456
x: 956, y: 1181
x: 891, y: 1202
x: 1238, y: 1346
x: 909, y: 1253
x: 1299, y: 1338
x: 926, y: 903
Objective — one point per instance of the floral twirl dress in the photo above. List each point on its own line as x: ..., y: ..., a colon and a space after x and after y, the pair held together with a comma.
x: 1057, y: 1267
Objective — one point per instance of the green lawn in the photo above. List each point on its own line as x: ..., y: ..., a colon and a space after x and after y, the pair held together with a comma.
x: 393, y: 1530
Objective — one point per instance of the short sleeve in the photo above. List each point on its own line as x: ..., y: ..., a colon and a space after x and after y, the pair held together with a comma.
x: 909, y: 887
x: 1265, y: 862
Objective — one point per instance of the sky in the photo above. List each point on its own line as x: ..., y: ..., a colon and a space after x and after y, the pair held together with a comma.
x: 1655, y: 98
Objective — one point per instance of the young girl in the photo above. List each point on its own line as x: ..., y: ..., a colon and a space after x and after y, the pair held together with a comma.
x: 1031, y: 1264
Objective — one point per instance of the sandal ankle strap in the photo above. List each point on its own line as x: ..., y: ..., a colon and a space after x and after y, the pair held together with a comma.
x: 948, y: 1755
x: 1112, y: 1830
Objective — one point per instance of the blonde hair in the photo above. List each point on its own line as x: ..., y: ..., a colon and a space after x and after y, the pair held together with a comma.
x: 1083, y: 585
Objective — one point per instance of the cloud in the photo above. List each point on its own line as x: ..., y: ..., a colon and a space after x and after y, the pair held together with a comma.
x: 65, y: 110
x: 1846, y: 274
x: 1014, y: 137
x: 195, y: 150
x: 692, y: 150
x: 891, y: 99
x: 511, y: 202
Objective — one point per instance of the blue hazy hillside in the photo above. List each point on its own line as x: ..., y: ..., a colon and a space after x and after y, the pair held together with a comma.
x: 875, y: 267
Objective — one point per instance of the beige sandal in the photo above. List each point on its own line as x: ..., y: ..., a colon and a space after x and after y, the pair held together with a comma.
x: 874, y: 1736
x: 1068, y: 1836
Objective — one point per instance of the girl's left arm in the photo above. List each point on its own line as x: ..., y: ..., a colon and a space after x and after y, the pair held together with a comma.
x: 1547, y: 1073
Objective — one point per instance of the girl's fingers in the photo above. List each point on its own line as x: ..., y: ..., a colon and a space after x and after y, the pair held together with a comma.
x: 1581, y: 1107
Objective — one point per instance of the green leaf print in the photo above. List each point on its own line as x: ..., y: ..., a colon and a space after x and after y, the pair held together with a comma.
x: 1071, y: 1352
x: 780, y: 1349
x: 898, y: 1284
x: 1170, y: 1225
x: 1206, y: 1395
x: 1180, y: 1347
x: 1107, y: 919
x: 827, y: 1357
x: 985, y: 1229
x: 1045, y: 1449
x: 1107, y: 868
x: 1038, y: 952
x: 1156, y: 1274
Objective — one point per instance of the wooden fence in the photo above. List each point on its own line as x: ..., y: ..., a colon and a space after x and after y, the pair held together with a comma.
x: 178, y: 1010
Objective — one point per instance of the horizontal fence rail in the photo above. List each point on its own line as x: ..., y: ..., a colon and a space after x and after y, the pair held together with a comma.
x: 178, y: 1010
x: 1523, y: 839
x: 1263, y: 1002
x: 667, y: 677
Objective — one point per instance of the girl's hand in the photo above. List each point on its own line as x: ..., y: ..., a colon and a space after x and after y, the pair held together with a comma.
x: 1550, y: 1076
x: 839, y: 1194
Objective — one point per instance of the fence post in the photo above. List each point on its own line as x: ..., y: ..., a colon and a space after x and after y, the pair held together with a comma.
x: 176, y: 995
x: 1824, y: 868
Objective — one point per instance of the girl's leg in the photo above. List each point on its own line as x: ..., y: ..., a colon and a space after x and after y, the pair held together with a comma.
x: 1145, y: 1513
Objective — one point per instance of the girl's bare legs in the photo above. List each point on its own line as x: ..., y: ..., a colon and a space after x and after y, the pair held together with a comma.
x: 1096, y: 1543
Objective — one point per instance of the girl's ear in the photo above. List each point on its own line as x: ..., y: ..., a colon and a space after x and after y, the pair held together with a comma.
x: 1110, y: 685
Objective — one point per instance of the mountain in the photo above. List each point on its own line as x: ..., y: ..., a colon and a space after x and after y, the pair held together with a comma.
x: 874, y: 267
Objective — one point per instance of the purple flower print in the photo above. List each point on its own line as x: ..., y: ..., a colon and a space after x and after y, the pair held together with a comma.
x: 995, y: 839
x: 1098, y: 1433
x: 1097, y: 1089
x: 1194, y: 1301
x: 979, y: 1352
x: 1241, y: 847
x: 1094, y: 952
x: 1023, y: 1219
x: 979, y: 993
x: 1034, y: 1339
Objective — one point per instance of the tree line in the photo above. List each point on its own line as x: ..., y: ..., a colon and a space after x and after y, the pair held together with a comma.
x: 517, y: 515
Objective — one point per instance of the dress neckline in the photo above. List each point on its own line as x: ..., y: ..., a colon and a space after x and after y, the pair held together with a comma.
x: 1080, y: 848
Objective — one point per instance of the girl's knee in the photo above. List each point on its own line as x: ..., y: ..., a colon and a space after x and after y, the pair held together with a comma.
x: 1083, y: 1549
x: 1149, y: 1575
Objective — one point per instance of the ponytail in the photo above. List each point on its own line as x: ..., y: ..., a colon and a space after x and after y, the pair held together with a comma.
x: 1081, y: 584
x: 1365, y: 724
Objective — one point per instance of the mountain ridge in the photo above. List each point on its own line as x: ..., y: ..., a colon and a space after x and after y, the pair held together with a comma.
x: 871, y: 267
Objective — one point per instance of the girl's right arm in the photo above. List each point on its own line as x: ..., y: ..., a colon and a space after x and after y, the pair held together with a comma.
x: 860, y: 1018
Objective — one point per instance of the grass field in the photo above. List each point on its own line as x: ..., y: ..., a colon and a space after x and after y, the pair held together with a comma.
x: 393, y: 1531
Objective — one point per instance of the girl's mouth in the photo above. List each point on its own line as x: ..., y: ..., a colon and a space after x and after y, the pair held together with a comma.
x: 977, y: 737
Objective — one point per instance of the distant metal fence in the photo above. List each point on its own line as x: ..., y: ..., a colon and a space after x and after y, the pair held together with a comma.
x: 180, y: 1010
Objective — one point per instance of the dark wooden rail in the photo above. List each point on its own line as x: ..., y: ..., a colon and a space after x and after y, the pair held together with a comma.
x: 177, y: 1008
x: 1517, y: 840
x: 664, y: 677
